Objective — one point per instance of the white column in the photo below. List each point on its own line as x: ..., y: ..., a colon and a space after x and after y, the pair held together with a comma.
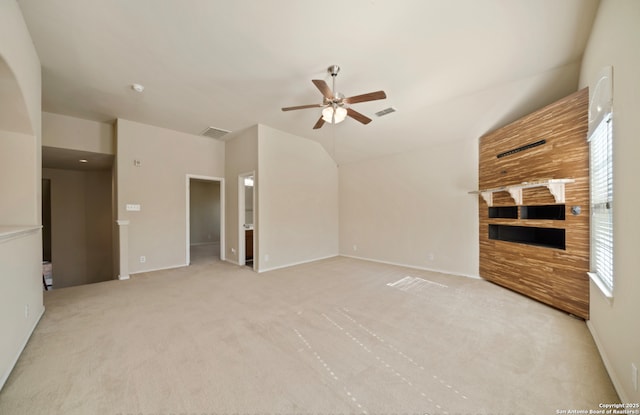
x: 123, y: 232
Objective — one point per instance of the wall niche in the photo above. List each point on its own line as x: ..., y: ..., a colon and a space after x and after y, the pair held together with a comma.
x: 530, y: 241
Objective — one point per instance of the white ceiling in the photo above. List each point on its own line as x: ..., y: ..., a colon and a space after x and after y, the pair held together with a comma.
x: 453, y: 69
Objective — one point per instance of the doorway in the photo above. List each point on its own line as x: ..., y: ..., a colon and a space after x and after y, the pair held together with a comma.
x: 205, y: 219
x: 247, y: 248
x: 77, y: 218
x: 46, y: 220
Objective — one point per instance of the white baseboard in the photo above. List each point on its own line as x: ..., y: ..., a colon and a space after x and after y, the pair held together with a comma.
x: 5, y: 375
x: 617, y: 385
x: 159, y: 269
x: 124, y: 277
x: 205, y: 243
x: 231, y: 261
x: 296, y: 263
x: 475, y: 277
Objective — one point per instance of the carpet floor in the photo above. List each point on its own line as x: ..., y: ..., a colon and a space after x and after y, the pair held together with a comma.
x: 337, y: 336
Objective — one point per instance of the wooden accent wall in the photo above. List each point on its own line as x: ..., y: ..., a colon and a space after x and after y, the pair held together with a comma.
x: 553, y: 276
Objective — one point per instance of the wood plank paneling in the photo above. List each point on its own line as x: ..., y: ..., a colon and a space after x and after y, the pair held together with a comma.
x: 554, y: 276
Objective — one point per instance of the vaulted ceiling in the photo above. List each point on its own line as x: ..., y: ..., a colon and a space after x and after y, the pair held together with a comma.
x: 453, y: 69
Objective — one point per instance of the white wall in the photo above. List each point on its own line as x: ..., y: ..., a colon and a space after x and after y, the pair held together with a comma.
x: 20, y: 258
x: 77, y: 134
x: 414, y: 208
x: 297, y: 212
x: 615, y: 40
x: 166, y: 157
x: 241, y: 156
x: 18, y: 176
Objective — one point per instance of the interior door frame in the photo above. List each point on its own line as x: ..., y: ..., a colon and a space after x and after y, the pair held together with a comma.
x: 188, y: 219
x: 241, y: 219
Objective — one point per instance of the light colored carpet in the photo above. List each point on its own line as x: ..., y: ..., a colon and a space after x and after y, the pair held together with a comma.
x: 330, y: 337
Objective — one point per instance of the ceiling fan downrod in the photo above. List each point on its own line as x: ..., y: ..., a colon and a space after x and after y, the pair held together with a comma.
x: 337, y: 103
x: 333, y: 70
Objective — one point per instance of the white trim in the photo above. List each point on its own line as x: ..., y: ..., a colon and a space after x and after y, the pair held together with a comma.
x: 5, y: 375
x: 475, y: 277
x: 617, y: 385
x: 206, y: 243
x: 241, y: 219
x: 188, y: 219
x: 604, y: 290
x: 12, y: 232
x: 123, y: 249
x: 159, y: 269
x: 297, y: 263
x: 231, y: 261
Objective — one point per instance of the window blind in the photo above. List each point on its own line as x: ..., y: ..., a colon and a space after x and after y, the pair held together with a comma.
x: 601, y: 164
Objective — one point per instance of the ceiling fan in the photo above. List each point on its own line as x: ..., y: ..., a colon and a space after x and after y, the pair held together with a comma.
x: 335, y: 104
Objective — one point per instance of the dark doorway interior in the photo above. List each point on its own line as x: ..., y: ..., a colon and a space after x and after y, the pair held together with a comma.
x: 46, y: 220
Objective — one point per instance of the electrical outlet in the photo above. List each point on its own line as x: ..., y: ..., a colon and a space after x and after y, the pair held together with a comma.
x: 233, y: 251
x: 266, y: 258
x: 355, y: 247
x: 143, y: 259
x: 26, y: 311
x: 634, y: 376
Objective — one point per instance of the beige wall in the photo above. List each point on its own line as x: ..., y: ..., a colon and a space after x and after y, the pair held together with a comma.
x: 297, y: 194
x: 616, y: 325
x: 204, y: 212
x: 19, y: 54
x: 159, y: 230
x: 17, y: 177
x: 20, y: 258
x: 241, y: 156
x: 76, y: 134
x: 81, y: 226
x: 414, y: 208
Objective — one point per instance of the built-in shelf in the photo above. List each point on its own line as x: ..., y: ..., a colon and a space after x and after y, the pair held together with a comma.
x: 553, y: 212
x: 529, y: 235
x: 503, y: 212
x: 555, y: 186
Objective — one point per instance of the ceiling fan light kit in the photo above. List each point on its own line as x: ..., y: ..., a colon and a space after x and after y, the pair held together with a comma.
x: 334, y: 104
x: 335, y: 116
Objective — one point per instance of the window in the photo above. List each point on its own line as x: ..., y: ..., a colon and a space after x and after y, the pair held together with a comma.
x: 601, y: 164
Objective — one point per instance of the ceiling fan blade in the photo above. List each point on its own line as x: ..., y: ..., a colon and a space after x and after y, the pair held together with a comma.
x: 324, y: 88
x: 301, y: 107
x: 371, y: 96
x: 357, y: 116
x: 319, y: 124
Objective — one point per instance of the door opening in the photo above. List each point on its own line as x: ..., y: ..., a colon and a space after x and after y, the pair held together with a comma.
x: 77, y: 237
x: 246, y: 220
x: 205, y: 219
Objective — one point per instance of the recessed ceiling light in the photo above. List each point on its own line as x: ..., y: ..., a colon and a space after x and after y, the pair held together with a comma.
x: 83, y: 161
x: 137, y: 87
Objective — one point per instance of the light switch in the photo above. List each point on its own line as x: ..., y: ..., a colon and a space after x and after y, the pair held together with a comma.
x: 133, y: 208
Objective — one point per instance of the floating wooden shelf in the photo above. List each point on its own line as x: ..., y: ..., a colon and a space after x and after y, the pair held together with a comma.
x: 555, y: 186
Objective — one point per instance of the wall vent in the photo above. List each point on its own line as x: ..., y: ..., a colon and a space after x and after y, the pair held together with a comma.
x: 214, y: 132
x: 385, y: 111
x: 523, y: 148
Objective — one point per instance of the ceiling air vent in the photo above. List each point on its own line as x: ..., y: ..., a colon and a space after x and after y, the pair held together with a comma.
x: 214, y: 132
x: 385, y: 111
